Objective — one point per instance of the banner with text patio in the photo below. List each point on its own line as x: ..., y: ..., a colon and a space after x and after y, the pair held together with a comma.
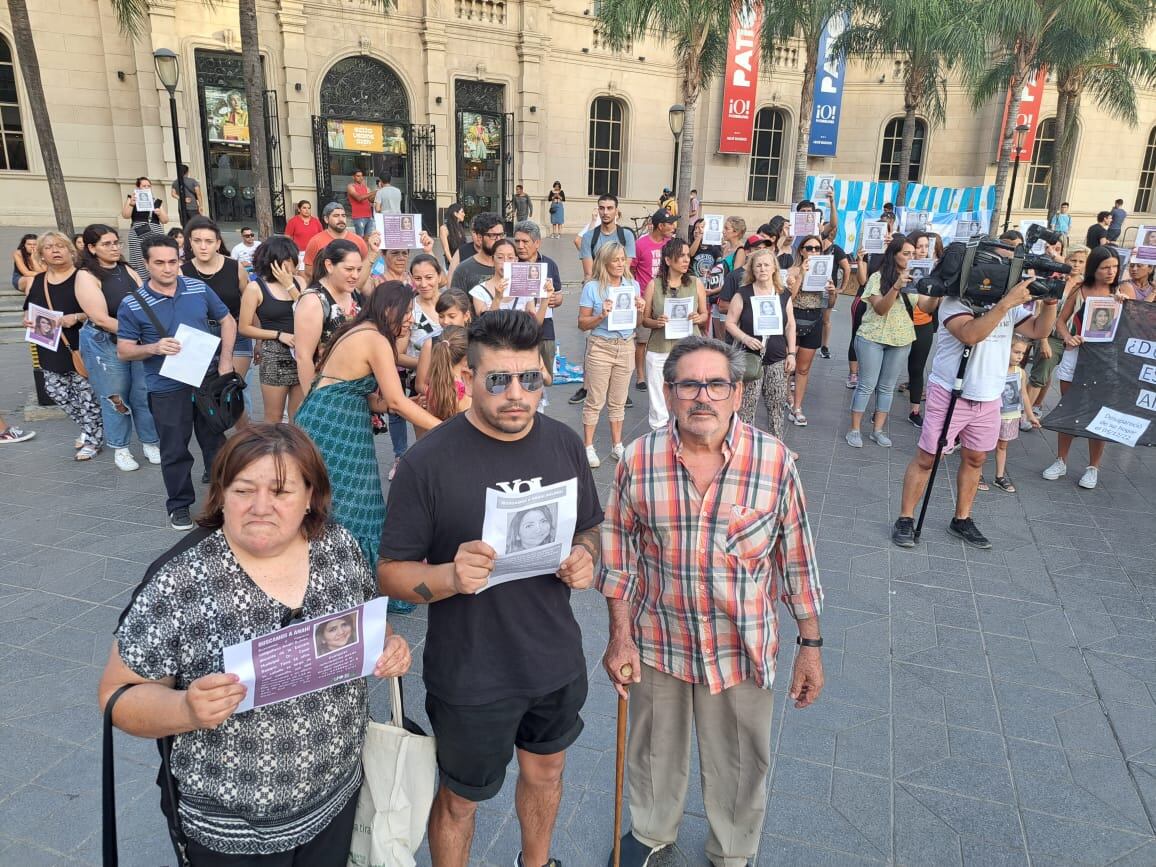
x: 740, y: 85
x: 1113, y: 392
x: 828, y: 102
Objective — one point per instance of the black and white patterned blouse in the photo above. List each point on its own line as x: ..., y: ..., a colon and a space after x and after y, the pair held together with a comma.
x: 272, y: 778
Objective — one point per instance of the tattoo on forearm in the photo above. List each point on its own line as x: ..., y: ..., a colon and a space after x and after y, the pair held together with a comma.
x: 424, y: 592
x: 591, y: 540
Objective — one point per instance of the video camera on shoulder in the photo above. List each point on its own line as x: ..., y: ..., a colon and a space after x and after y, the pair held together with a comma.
x: 983, y: 270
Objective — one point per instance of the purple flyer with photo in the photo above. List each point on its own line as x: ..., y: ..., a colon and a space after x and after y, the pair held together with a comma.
x: 309, y: 656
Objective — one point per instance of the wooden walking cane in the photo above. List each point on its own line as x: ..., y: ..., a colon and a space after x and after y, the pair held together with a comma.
x: 627, y: 671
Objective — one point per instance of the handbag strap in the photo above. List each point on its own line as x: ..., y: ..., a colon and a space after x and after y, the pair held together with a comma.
x: 108, y: 785
x: 395, y: 704
x: 161, y: 330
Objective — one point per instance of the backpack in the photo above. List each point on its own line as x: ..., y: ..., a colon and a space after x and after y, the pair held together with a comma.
x: 598, y: 238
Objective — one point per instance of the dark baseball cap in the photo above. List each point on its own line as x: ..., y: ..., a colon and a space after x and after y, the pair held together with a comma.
x: 662, y: 215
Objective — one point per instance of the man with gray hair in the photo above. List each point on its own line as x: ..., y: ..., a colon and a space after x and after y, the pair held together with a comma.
x: 706, y: 525
x: 527, y: 244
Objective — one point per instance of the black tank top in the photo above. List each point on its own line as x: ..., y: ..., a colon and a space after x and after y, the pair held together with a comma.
x: 774, y: 346
x: 225, y: 283
x: 115, y: 286
x: 275, y: 314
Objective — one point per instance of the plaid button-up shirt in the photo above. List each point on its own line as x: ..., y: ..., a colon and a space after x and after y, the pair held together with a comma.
x: 702, y: 573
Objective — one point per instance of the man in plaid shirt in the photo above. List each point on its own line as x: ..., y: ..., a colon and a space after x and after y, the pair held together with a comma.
x: 706, y: 527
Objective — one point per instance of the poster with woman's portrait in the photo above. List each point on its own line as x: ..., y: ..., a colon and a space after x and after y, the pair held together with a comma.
x: 226, y: 115
x: 1100, y: 319
x: 335, y: 634
x: 45, y: 328
x: 481, y: 137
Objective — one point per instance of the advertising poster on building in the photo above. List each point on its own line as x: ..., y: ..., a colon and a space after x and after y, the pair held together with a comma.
x: 741, y: 81
x: 373, y: 138
x: 1113, y: 392
x: 226, y: 115
x: 829, y: 80
x: 481, y: 137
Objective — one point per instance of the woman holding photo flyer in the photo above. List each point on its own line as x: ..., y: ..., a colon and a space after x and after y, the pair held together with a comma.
x: 277, y: 784
x: 144, y: 222
x: 674, y: 280
x: 762, y: 282
x: 1101, y: 280
x: 491, y: 293
x: 809, y: 307
x: 609, y: 354
x: 357, y: 373
x: 884, y: 340
x: 926, y: 246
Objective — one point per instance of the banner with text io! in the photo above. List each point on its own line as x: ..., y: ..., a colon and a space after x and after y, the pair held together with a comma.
x: 1031, y: 100
x: 741, y: 83
x: 829, y: 79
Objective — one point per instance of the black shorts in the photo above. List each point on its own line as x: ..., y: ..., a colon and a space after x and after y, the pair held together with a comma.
x: 476, y: 742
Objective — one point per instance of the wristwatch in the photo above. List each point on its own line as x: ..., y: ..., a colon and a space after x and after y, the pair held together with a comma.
x: 808, y: 642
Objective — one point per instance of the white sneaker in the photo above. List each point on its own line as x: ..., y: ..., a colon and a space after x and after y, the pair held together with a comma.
x: 152, y: 453
x: 592, y: 458
x: 1056, y: 471
x: 618, y: 452
x: 125, y: 461
x: 1090, y: 478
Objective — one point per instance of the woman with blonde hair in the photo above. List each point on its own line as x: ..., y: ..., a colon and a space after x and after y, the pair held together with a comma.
x: 609, y: 354
x: 762, y: 283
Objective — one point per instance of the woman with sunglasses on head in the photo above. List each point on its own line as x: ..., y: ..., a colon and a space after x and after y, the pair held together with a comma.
x: 356, y: 374
x: 101, y: 284
x: 808, y: 308
x: 884, y: 340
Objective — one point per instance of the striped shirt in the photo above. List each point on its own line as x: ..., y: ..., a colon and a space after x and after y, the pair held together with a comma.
x: 702, y: 573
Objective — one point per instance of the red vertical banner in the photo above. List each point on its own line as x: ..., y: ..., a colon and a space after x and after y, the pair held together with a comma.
x: 1030, y: 107
x: 740, y: 85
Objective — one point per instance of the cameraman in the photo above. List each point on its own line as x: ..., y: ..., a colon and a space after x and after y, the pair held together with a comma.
x: 976, y: 418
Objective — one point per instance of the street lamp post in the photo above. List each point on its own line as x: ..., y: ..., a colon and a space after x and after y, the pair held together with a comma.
x: 677, y: 117
x: 1018, y: 143
x: 168, y: 67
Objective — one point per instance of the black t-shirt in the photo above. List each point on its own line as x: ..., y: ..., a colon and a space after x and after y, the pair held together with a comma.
x: 732, y: 283
x: 774, y: 345
x: 554, y: 274
x: 786, y: 260
x: 515, y: 639
x: 840, y: 257
x: 1096, y: 235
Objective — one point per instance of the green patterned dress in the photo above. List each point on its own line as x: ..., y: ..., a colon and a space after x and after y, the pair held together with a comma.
x: 336, y: 418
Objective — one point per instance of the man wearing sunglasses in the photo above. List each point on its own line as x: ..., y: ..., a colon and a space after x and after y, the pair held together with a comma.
x: 706, y: 529
x: 488, y: 230
x: 503, y: 669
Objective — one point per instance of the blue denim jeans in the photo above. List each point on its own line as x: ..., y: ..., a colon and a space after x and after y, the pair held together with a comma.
x: 879, y: 368
x: 398, y: 434
x: 110, y: 376
x: 363, y: 226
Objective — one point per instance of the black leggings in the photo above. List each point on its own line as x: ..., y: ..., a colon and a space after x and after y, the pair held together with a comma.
x: 917, y: 360
x: 858, y: 307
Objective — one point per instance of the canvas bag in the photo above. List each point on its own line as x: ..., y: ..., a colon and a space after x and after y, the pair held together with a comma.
x: 400, y: 764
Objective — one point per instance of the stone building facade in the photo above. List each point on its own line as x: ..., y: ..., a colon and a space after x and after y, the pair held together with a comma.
x: 460, y: 100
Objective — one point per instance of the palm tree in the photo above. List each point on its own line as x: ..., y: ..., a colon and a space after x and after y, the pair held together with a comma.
x: 698, y: 29
x: 1109, y: 61
x: 788, y: 19
x: 38, y: 105
x: 913, y: 30
x: 1001, y: 43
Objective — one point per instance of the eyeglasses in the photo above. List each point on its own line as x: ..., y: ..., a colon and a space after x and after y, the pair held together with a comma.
x: 494, y: 236
x: 247, y: 237
x: 497, y: 383
x: 689, y: 389
x: 109, y: 244
x: 811, y: 248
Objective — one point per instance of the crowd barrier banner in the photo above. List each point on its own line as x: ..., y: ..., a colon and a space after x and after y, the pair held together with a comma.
x: 1113, y: 392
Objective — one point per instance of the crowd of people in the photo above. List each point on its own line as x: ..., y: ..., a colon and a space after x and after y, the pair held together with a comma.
x: 351, y: 340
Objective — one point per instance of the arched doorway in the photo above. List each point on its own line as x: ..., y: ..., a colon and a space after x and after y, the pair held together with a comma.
x: 364, y: 123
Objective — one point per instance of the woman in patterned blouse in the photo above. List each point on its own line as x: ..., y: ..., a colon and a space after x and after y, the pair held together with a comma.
x: 282, y: 778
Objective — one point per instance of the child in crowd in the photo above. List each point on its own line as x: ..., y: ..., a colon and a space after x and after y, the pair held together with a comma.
x: 445, y: 393
x: 1015, y: 402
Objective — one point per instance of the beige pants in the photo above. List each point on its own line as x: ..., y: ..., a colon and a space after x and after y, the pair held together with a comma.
x: 734, y: 746
x: 609, y: 364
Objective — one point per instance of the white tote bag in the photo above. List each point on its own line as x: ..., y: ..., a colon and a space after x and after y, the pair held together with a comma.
x: 396, y: 794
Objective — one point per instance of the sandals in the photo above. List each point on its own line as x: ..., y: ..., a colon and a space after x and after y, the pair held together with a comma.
x: 983, y: 485
x: 798, y: 418
x: 1004, y: 483
x: 87, y: 452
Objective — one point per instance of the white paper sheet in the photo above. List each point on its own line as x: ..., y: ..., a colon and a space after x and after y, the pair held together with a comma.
x: 677, y: 312
x: 143, y: 200
x: 824, y: 184
x: 1118, y: 426
x: 819, y: 273
x: 918, y: 269
x: 309, y: 656
x: 399, y: 231
x: 768, y: 315
x: 624, y: 315
x: 46, y: 326
x: 197, y: 351
x: 531, y: 529
x: 804, y: 223
x: 1097, y: 327
x: 712, y: 229
x: 874, y: 237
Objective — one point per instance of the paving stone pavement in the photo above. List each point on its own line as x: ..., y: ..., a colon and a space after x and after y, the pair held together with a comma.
x: 981, y: 707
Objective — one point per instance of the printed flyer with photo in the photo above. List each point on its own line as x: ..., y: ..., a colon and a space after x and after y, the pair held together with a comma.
x: 399, y: 231
x: 525, y: 279
x: 531, y: 529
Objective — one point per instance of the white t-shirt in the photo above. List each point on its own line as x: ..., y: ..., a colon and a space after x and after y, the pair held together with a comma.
x: 987, y: 367
x: 388, y: 200
x: 509, y: 302
x: 243, y: 253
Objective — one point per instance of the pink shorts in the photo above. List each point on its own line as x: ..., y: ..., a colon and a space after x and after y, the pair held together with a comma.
x: 975, y: 423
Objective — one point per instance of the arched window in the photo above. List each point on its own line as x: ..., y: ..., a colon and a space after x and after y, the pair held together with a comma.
x: 766, y: 156
x: 13, y: 156
x: 604, y: 159
x: 1039, y: 177
x: 893, y: 141
x: 362, y: 87
x: 1147, y: 176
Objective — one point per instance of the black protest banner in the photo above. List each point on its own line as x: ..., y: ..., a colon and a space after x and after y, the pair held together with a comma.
x: 1113, y: 392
